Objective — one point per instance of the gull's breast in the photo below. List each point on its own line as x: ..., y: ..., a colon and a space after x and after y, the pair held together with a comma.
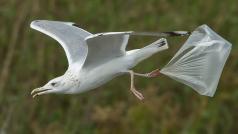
x: 100, y: 75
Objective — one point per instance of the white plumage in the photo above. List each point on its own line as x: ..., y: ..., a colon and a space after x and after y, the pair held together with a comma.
x: 94, y: 59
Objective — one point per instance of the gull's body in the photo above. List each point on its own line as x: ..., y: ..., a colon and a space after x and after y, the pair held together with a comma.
x: 94, y: 59
x: 101, y: 74
x: 95, y: 77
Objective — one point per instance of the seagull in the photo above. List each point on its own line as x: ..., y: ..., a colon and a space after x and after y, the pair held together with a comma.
x: 95, y: 59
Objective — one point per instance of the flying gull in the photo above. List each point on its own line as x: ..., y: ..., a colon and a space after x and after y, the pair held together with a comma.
x: 94, y: 59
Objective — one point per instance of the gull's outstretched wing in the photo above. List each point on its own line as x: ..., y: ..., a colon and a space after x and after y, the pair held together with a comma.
x: 71, y: 38
x: 103, y: 47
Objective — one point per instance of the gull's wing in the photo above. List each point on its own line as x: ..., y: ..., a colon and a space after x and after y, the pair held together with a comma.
x: 71, y: 38
x: 103, y: 47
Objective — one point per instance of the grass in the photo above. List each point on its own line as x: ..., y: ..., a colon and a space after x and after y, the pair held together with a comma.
x: 29, y: 59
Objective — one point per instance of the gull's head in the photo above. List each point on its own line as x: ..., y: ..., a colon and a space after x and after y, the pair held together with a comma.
x: 56, y: 85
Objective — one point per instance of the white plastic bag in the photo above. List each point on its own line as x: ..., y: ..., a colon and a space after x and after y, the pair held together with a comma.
x: 200, y: 61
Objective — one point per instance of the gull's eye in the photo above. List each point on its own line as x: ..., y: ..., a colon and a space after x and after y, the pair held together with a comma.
x: 53, y: 84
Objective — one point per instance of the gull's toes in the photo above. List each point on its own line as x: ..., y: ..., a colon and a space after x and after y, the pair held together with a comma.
x: 137, y: 94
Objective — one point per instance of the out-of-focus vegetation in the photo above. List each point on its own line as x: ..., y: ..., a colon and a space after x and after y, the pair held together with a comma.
x: 29, y: 59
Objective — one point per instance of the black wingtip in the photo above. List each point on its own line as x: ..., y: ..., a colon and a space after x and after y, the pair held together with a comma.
x: 178, y: 33
x: 76, y: 25
x: 189, y: 33
x: 162, y: 43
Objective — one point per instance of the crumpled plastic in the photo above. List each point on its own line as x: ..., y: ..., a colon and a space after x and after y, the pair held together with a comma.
x: 200, y: 61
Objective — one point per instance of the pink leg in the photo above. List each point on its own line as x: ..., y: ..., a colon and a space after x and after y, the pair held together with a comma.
x: 154, y: 73
x: 139, y: 95
x: 133, y: 89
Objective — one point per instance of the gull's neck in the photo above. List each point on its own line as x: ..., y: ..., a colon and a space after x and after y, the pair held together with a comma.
x: 73, y: 70
x: 72, y: 74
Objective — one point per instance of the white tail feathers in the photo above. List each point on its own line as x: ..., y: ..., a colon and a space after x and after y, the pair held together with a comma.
x: 200, y: 61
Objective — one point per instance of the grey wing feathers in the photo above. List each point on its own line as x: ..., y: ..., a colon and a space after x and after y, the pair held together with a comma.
x: 69, y: 36
x: 105, y: 47
x: 162, y: 34
x: 87, y: 49
x: 156, y: 34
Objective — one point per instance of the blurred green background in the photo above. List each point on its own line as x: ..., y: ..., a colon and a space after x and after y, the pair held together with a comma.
x: 29, y: 59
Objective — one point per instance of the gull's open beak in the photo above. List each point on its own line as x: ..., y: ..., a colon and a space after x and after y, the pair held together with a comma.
x: 39, y: 91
